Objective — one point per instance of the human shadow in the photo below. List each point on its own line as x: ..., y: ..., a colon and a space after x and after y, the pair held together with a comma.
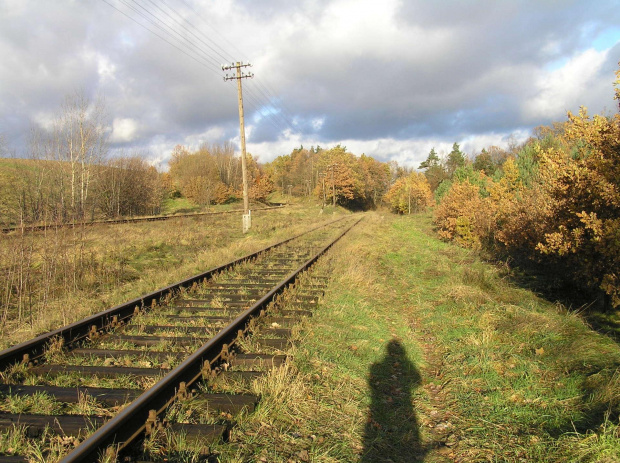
x: 392, y: 431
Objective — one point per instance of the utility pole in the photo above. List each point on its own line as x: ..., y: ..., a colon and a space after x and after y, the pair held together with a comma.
x: 322, y: 177
x: 247, y: 218
x: 332, y: 167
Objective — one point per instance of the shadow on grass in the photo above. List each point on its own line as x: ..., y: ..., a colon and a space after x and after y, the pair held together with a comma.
x: 550, y: 284
x: 392, y: 431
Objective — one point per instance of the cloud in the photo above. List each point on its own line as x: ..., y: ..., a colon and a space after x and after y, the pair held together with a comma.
x: 124, y: 130
x: 390, y: 78
x: 567, y: 87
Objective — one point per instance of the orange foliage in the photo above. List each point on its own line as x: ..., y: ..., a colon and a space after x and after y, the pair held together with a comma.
x: 456, y: 216
x: 563, y: 216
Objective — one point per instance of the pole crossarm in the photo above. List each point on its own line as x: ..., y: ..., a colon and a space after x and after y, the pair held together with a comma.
x: 240, y: 75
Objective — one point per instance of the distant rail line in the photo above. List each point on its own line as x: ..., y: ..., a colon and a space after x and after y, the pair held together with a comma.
x: 165, y: 350
x: 152, y: 218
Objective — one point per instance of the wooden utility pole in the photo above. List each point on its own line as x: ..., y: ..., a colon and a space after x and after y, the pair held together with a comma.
x: 332, y: 167
x: 247, y: 221
x: 322, y: 177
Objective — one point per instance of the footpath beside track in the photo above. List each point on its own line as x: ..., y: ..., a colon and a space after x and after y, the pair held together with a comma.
x: 163, y: 351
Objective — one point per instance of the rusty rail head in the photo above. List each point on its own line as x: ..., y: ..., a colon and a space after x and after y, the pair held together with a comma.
x: 130, y: 423
x: 80, y: 330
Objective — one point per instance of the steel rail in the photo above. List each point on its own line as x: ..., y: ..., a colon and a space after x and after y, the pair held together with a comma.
x: 150, y: 218
x: 130, y: 423
x: 80, y: 330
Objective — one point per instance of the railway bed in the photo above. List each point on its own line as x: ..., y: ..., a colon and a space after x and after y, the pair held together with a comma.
x: 168, y: 370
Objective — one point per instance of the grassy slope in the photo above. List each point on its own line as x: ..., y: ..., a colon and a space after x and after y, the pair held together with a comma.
x: 421, y: 351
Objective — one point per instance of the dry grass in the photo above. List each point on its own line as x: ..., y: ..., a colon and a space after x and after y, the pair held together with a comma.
x: 63, y: 275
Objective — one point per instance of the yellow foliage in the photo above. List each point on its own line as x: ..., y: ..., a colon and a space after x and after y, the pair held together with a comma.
x: 410, y: 194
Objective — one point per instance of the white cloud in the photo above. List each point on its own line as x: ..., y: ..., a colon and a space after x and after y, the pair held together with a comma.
x: 566, y: 87
x: 124, y: 130
x: 45, y: 120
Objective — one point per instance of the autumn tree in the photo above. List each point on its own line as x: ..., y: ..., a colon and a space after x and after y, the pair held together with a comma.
x: 410, y: 194
x: 343, y: 176
x: 554, y: 205
x: 375, y: 178
x: 129, y: 185
x: 197, y: 175
x: 279, y: 171
x: 261, y: 187
x: 583, y: 187
x: 484, y: 163
x: 354, y: 182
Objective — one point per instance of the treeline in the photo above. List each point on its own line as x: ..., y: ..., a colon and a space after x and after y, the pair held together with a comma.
x: 212, y: 175
x: 334, y: 176
x: 551, y: 205
x: 68, y: 176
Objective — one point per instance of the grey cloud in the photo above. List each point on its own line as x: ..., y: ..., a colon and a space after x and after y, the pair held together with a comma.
x: 445, y: 71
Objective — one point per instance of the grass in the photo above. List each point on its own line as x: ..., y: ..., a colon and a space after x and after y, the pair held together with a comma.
x: 71, y: 273
x: 419, y: 351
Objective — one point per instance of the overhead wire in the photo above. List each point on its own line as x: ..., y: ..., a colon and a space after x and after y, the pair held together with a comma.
x: 158, y: 35
x: 204, y: 51
x: 169, y: 30
x: 260, y: 87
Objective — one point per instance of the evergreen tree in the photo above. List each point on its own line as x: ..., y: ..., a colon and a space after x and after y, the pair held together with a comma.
x: 456, y: 159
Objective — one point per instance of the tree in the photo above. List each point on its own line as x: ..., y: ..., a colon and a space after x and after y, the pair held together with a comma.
x: 484, y: 163
x: 455, y: 159
x: 434, y: 170
x: 376, y: 179
x: 127, y: 186
x: 554, y: 206
x: 66, y: 158
x: 456, y: 215
x: 198, y: 175
x: 410, y: 194
x: 343, y: 176
x: 432, y: 160
x: 261, y: 187
x: 82, y: 142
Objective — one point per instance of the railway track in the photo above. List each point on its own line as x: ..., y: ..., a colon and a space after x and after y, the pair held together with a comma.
x: 153, y: 218
x: 147, y: 371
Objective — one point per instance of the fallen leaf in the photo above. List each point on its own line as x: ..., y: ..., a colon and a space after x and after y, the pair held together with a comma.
x: 540, y: 351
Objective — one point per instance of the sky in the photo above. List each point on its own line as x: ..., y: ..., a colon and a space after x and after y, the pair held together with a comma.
x: 390, y: 79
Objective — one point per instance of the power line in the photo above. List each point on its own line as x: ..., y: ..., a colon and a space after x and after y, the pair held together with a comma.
x: 187, y: 30
x: 161, y: 37
x: 260, y: 96
x: 264, y: 91
x: 169, y: 30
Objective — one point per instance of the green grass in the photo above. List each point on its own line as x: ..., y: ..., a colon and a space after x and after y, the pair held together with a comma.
x: 179, y: 206
x: 422, y: 352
